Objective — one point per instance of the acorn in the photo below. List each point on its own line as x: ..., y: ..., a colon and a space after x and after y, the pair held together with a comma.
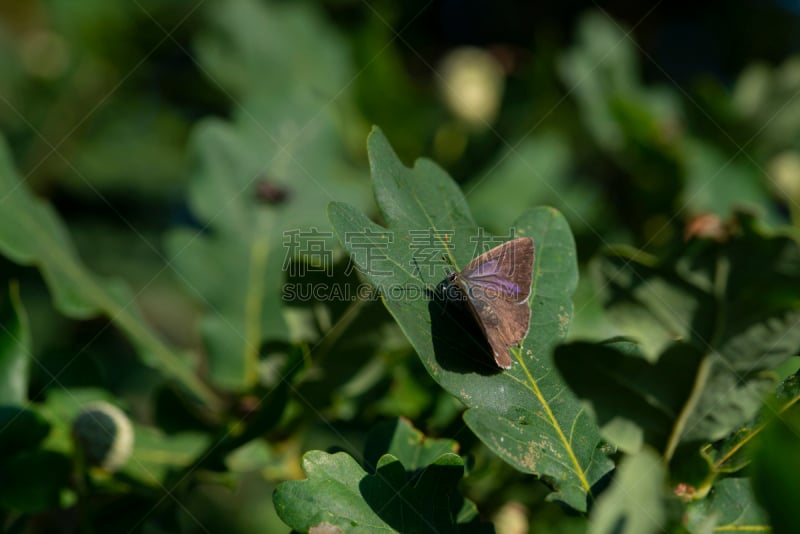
x: 104, y: 435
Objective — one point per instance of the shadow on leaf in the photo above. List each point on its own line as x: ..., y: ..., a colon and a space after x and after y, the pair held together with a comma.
x: 458, y: 342
x: 423, y: 501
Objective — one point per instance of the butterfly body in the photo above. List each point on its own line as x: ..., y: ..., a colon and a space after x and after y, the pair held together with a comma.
x: 496, y: 287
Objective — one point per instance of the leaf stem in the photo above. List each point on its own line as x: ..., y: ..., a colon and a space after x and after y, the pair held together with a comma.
x: 259, y: 252
x: 721, y: 273
x: 339, y: 328
x: 703, y: 373
x: 168, y: 361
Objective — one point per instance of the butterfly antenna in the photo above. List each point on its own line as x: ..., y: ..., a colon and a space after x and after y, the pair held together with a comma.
x: 434, y: 290
x: 448, y: 266
x: 447, y: 273
x: 418, y: 271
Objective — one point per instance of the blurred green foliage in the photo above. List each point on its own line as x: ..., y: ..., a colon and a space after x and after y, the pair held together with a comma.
x: 163, y: 157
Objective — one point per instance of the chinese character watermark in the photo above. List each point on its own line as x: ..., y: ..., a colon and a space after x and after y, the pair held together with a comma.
x: 371, y: 254
x: 429, y: 248
x: 368, y: 252
x: 311, y: 248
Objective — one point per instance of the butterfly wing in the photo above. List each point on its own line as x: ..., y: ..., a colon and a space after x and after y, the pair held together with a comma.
x: 505, y: 271
x: 504, y: 323
x: 497, y: 285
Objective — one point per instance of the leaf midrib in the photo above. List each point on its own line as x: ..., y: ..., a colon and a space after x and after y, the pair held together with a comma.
x: 534, y: 387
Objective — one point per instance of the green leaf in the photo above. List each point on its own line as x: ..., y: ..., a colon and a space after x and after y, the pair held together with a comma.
x: 283, y: 137
x: 31, y: 233
x: 776, y: 470
x: 263, y: 415
x: 653, y: 306
x: 634, y: 402
x: 33, y: 481
x: 134, y: 139
x: 360, y: 367
x: 20, y: 429
x: 636, y: 501
x: 525, y: 415
x: 730, y: 507
x: 602, y: 65
x: 411, y: 447
x: 536, y: 171
x: 712, y: 299
x: 15, y: 350
x: 255, y: 455
x: 734, y: 452
x: 249, y: 46
x: 410, y: 393
x: 156, y: 455
x: 731, y: 454
x: 624, y: 117
x: 238, y: 270
x: 763, y: 97
x: 339, y: 492
x: 719, y: 182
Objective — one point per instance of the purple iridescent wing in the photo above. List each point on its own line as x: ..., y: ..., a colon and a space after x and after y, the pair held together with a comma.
x: 505, y: 271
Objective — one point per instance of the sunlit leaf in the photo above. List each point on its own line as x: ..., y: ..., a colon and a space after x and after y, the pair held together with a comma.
x: 339, y: 492
x: 701, y: 304
x: 525, y: 415
x: 730, y: 507
x: 636, y: 501
x: 411, y: 447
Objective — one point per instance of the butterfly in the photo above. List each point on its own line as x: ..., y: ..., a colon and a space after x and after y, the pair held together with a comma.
x: 496, y: 287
